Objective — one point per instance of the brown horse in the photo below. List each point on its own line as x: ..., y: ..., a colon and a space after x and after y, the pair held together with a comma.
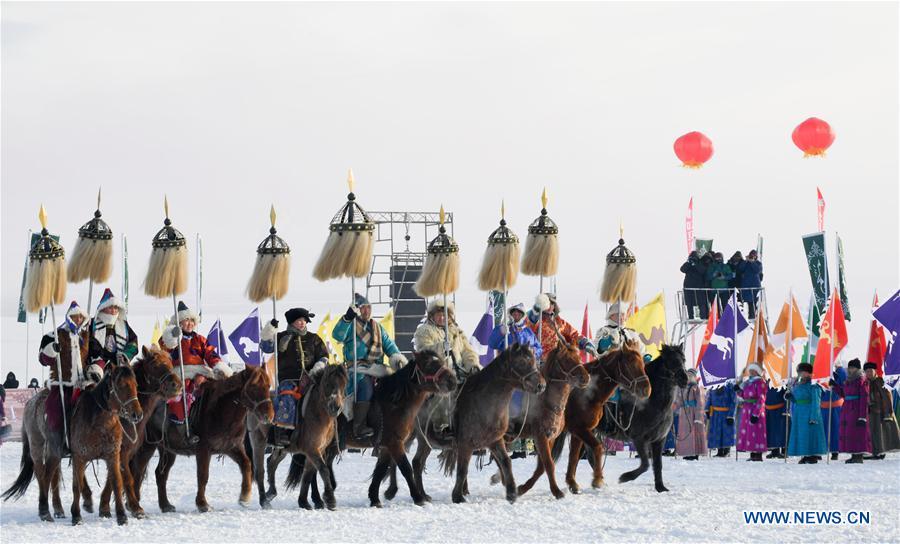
x: 157, y: 382
x: 218, y: 418
x: 544, y: 420
x: 396, y: 403
x: 320, y: 407
x: 623, y: 367
x: 481, y: 418
x: 97, y: 432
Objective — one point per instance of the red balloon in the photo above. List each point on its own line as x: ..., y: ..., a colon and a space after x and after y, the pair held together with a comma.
x: 813, y: 137
x: 693, y: 149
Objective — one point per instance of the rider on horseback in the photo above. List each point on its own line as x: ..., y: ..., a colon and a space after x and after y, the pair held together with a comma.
x: 300, y: 353
x: 112, y: 341
x: 463, y: 360
x: 77, y: 372
x: 541, y: 320
x: 372, y: 344
x: 201, y: 361
x: 518, y: 332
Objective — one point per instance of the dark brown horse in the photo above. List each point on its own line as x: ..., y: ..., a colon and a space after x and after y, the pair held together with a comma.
x: 542, y: 419
x: 621, y: 367
x: 157, y: 382
x: 97, y: 432
x: 320, y: 406
x: 481, y: 418
x: 218, y: 418
x: 396, y: 403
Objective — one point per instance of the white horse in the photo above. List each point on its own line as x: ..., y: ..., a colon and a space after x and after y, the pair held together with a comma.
x: 722, y: 344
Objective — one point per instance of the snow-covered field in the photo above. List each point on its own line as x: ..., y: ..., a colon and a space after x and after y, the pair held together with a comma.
x: 705, y: 503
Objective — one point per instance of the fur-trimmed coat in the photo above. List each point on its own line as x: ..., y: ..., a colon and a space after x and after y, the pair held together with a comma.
x: 430, y: 336
x: 73, y: 355
x: 548, y: 337
x: 296, y: 351
x: 109, y: 340
x: 199, y: 355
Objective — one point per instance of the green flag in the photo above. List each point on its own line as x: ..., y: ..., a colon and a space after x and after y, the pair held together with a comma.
x: 814, y: 247
x: 842, y: 278
x: 703, y: 245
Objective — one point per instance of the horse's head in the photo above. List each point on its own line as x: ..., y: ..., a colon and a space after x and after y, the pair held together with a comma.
x: 332, y: 386
x: 564, y: 364
x: 672, y: 359
x: 123, y: 394
x: 522, y: 370
x: 255, y: 393
x: 432, y: 373
x: 158, y: 376
x: 626, y: 367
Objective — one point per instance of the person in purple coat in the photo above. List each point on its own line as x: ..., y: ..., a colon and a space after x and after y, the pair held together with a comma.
x: 854, y: 436
x: 752, y: 391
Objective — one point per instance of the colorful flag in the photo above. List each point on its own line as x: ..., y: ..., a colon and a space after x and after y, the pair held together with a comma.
x: 482, y: 334
x: 820, y: 205
x: 157, y: 333
x: 216, y: 339
x: 877, y: 343
x: 817, y: 262
x: 759, y: 344
x: 710, y: 329
x: 718, y: 362
x: 245, y: 339
x: 650, y: 325
x: 888, y: 314
x: 387, y: 323
x: 842, y: 278
x: 812, y: 325
x: 703, y: 245
x: 832, y: 338
x: 779, y: 356
x: 689, y: 226
x: 585, y: 332
x: 335, y: 349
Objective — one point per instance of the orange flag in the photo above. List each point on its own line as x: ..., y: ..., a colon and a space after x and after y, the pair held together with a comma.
x: 877, y: 343
x: 760, y: 342
x: 710, y: 328
x: 779, y: 355
x: 832, y: 338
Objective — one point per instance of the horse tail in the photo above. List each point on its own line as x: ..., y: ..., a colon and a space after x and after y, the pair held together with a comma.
x: 556, y: 451
x: 295, y: 474
x: 447, y: 458
x: 26, y: 473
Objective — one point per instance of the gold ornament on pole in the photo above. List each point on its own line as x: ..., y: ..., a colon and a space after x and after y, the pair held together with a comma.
x: 500, y: 267
x: 541, y: 257
x: 92, y: 257
x: 620, y: 276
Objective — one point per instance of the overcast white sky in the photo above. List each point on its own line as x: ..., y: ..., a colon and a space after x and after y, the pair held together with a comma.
x: 229, y: 107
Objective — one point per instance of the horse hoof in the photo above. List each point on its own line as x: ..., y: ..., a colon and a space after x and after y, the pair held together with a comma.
x: 166, y: 508
x: 271, y: 494
x: 305, y: 505
x: 122, y: 520
x: 660, y: 488
x: 559, y: 494
x: 427, y: 497
x: 574, y: 488
x: 88, y: 507
x: 458, y: 499
x: 203, y: 508
x: 76, y: 520
x: 45, y: 516
x: 105, y: 514
x: 625, y: 478
x: 390, y: 493
x: 597, y: 485
x: 495, y: 478
x: 59, y: 515
x: 244, y: 504
x: 511, y: 497
x: 331, y: 506
x: 265, y: 505
x: 318, y: 505
x: 376, y: 504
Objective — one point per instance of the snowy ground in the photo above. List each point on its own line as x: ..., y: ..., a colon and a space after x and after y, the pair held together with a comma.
x: 705, y: 503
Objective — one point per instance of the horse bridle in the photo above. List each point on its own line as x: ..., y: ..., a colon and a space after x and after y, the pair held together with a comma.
x: 160, y: 383
x: 251, y: 404
x: 628, y: 384
x: 122, y: 413
x: 522, y: 378
x: 422, y: 378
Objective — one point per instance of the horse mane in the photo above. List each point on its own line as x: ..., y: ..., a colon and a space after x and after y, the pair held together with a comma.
x: 217, y: 389
x: 398, y: 386
x: 100, y: 393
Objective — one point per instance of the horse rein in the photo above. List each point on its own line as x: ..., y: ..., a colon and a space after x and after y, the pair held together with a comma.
x: 628, y: 383
x: 160, y: 383
x: 123, y: 415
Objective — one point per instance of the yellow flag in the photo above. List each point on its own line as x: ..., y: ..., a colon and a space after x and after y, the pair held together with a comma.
x: 650, y: 324
x: 335, y: 348
x: 387, y: 323
x: 157, y: 333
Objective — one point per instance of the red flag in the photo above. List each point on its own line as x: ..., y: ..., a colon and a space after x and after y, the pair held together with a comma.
x: 877, y: 345
x: 585, y: 332
x: 820, y: 201
x: 832, y: 338
x: 710, y: 328
x: 689, y: 226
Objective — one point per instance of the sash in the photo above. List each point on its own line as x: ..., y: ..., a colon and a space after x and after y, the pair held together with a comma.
x: 371, y: 339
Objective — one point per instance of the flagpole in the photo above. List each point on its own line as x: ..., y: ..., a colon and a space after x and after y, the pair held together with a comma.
x: 830, y: 368
x: 734, y: 311
x: 199, y: 277
x: 787, y: 351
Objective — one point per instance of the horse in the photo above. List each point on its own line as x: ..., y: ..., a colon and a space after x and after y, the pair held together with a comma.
x: 621, y: 367
x: 320, y: 406
x: 218, y: 418
x: 396, y: 402
x: 481, y: 419
x: 647, y: 422
x: 157, y: 382
x: 97, y: 432
x: 563, y: 372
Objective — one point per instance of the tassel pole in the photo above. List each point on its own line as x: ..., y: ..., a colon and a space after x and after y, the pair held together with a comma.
x: 353, y: 332
x: 447, y: 351
x: 59, y: 375
x: 184, y: 393
x: 506, y: 318
x: 540, y: 337
x: 274, y: 314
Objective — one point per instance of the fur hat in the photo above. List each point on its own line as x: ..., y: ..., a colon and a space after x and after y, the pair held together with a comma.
x: 437, y: 303
x: 296, y: 313
x: 756, y: 367
x: 869, y: 365
x: 804, y: 367
x: 542, y: 302
x: 854, y: 363
x: 185, y: 313
x: 75, y: 309
x: 517, y: 308
x: 360, y: 300
x: 108, y: 300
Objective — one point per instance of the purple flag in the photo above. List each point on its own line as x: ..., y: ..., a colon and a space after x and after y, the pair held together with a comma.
x: 717, y: 365
x: 216, y: 338
x: 888, y: 314
x: 245, y: 339
x: 481, y: 335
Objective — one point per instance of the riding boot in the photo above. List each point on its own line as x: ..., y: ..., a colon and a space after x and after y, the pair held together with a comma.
x: 360, y: 415
x: 834, y: 456
x: 727, y: 452
x: 855, y: 459
x: 773, y: 453
x: 804, y: 460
